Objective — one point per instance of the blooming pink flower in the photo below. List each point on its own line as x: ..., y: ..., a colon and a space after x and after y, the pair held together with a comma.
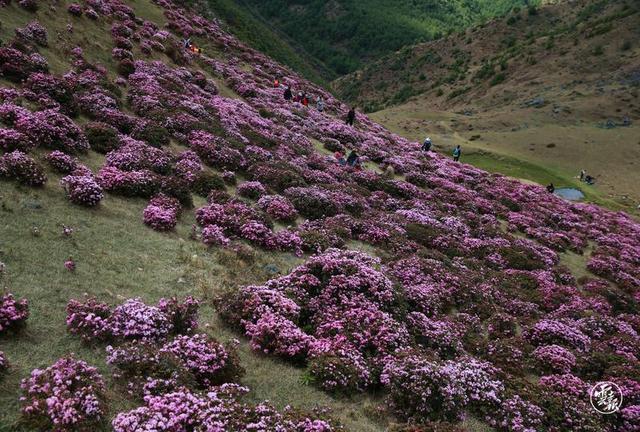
x: 70, y: 264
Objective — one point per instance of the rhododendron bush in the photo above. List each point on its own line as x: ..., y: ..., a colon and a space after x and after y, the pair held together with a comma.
x: 221, y: 408
x: 19, y: 166
x: 13, y: 313
x: 68, y: 395
x: 82, y: 189
x: 131, y: 320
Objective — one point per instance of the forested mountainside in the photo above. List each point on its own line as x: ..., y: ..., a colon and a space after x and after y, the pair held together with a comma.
x: 564, y: 44
x: 344, y: 35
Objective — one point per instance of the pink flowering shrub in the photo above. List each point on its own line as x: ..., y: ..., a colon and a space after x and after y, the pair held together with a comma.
x: 207, y: 360
x: 11, y: 139
x: 258, y: 233
x: 288, y: 240
x: 188, y: 166
x: 215, y: 151
x: 313, y: 203
x: 182, y: 314
x: 517, y: 415
x: 278, y: 207
x: 162, y: 213
x: 133, y: 155
x: 61, y: 162
x: 68, y: 395
x: 219, y: 409
x: 132, y: 320
x: 439, y: 335
x: 82, y: 190
x: 53, y: 130
x: 340, y: 369
x: 13, y: 313
x: 564, y: 399
x: 33, y: 32
x: 75, y: 9
x: 18, y: 166
x: 343, y: 297
x: 554, y: 359
x: 274, y: 334
x: 549, y: 332
x: 143, y: 183
x: 16, y: 66
x: 213, y: 235
x: 141, y: 369
x: 630, y: 418
x: 135, y: 320
x: 420, y: 389
x: 89, y: 320
x: 187, y: 361
x: 251, y: 189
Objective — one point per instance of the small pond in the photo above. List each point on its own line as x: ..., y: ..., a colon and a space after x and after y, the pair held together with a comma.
x: 571, y: 194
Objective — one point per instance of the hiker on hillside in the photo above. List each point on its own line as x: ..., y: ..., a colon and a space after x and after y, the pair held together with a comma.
x: 187, y: 43
x: 352, y: 159
x: 551, y: 188
x: 589, y: 180
x: 319, y: 104
x: 426, y: 145
x: 340, y: 158
x: 304, y: 100
x: 351, y: 116
x: 288, y: 95
x: 457, y: 152
x: 583, y: 174
x: 276, y: 83
x: 298, y: 97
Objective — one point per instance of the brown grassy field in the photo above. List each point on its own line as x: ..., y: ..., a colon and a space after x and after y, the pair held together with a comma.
x: 529, y: 146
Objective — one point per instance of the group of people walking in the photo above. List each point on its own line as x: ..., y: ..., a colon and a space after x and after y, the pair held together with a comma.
x: 305, y: 100
x: 300, y: 97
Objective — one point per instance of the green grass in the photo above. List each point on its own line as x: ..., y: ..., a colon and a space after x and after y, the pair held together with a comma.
x: 521, y: 169
x: 118, y: 257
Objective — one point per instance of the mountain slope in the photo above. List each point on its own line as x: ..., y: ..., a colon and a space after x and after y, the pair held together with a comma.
x: 140, y: 177
x: 587, y: 40
x: 345, y: 34
x: 555, y: 88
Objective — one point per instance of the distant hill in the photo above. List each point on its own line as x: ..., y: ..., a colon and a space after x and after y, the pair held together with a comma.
x: 345, y: 34
x: 553, y: 88
x: 578, y: 40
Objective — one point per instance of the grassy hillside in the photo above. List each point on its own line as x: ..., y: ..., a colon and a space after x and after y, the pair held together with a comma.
x: 585, y: 41
x: 116, y: 259
x: 555, y: 87
x: 344, y: 35
x: 405, y: 293
x: 116, y: 256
